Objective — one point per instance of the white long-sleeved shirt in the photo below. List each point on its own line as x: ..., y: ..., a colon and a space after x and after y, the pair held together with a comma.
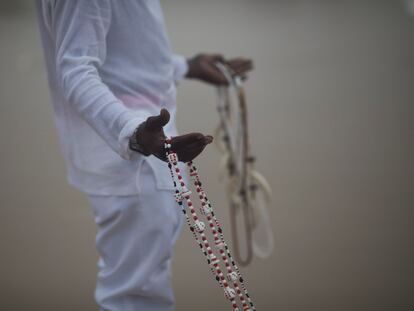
x: 109, y: 66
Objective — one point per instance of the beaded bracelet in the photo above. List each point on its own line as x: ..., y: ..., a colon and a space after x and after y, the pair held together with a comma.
x: 229, y: 278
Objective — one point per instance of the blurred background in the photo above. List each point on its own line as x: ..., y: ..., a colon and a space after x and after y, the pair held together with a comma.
x: 332, y: 124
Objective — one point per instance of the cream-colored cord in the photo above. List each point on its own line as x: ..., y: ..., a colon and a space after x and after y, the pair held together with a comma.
x: 241, y: 174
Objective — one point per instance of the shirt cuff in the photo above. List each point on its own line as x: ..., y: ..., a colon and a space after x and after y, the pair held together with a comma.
x: 180, y: 66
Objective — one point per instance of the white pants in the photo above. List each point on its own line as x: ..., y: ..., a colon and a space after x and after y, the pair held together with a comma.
x: 135, y: 239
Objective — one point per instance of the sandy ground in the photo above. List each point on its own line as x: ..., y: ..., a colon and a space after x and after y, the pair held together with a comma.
x: 331, y: 113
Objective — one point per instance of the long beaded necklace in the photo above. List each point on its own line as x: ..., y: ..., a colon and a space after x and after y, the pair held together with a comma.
x: 228, y: 277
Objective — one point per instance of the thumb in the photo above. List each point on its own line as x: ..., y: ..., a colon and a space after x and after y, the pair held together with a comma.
x: 157, y: 122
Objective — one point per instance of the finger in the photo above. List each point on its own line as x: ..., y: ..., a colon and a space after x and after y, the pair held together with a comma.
x: 183, y: 141
x: 189, y: 151
x: 194, y: 146
x: 209, y: 139
x: 237, y: 62
x: 157, y: 122
x: 190, y: 154
x: 215, y: 76
x: 192, y: 151
x: 240, y: 65
x: 242, y: 68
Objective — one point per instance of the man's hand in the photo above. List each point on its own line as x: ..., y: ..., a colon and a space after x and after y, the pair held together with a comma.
x: 151, y: 137
x: 202, y: 67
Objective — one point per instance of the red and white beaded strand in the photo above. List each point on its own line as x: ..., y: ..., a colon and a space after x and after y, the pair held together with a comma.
x: 197, y: 227
x: 213, y: 222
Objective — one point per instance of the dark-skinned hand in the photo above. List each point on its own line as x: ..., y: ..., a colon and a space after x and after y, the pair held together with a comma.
x: 151, y: 137
x: 202, y: 67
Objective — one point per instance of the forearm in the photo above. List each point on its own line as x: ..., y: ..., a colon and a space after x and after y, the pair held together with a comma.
x: 79, y: 30
x: 98, y: 106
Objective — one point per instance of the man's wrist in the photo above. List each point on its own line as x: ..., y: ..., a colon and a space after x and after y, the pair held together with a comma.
x: 191, y: 72
x: 135, y: 145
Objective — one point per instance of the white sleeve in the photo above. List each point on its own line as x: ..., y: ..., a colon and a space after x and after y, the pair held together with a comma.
x: 180, y: 66
x: 79, y: 28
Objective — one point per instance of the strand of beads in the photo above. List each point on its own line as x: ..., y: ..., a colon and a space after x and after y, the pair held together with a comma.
x: 207, y: 210
x: 178, y: 197
x: 197, y: 227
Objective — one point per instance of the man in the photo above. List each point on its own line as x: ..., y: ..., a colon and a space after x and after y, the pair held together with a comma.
x: 112, y: 80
